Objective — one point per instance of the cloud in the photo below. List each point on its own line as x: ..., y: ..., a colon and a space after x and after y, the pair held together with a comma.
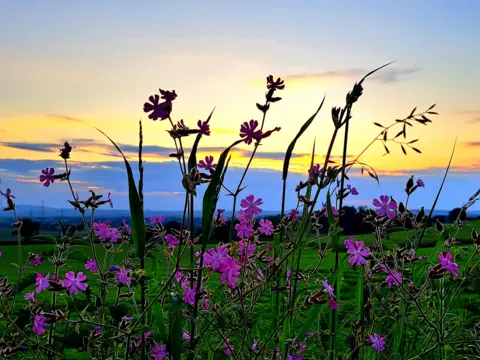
x: 473, y: 143
x: 65, y: 118
x: 40, y: 147
x: 473, y: 114
x: 384, y: 76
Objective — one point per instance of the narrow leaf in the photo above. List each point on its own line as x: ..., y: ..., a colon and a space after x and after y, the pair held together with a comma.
x: 192, y: 159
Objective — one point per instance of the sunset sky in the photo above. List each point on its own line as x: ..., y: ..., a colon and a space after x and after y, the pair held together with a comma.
x: 67, y: 67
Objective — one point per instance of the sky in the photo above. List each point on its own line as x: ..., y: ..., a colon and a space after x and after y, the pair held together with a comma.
x: 68, y: 67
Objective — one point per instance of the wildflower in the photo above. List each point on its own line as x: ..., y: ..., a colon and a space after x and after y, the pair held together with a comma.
x: 145, y: 336
x: 308, y: 334
x: 251, y: 205
x: 229, y: 347
x: 47, y: 176
x: 328, y: 288
x: 294, y: 213
x: 420, y: 183
x: 126, y: 227
x: 334, y: 210
x: 207, y: 164
x: 114, y: 235
x: 178, y: 276
x: 1, y: 254
x: 248, y: 132
x: 113, y: 268
x: 102, y: 230
x: 35, y: 259
x: 172, y: 241
x: 127, y: 318
x: 159, y: 352
x: 186, y: 335
x: 244, y: 229
x: 384, y: 207
x: 41, y: 282
x: 245, y: 249
x: 242, y: 216
x: 189, y: 296
x: 394, y: 279
x: 378, y: 342
x: 91, y: 265
x: 110, y: 200
x: 316, y: 170
x: 260, y: 276
x: 255, y: 344
x: 359, y: 254
x: 65, y: 151
x: 230, y: 272
x: 353, y: 191
x: 289, y: 273
x: 204, y: 127
x: 39, y: 324
x: 266, y: 227
x: 74, y: 283
x: 275, y: 84
x: 448, y: 264
x: 332, y: 304
x: 350, y: 242
x: 122, y: 276
x: 160, y: 110
x: 29, y: 297
x: 154, y: 220
x: 97, y: 331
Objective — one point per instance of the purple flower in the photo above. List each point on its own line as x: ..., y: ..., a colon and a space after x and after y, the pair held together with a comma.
x: 102, y: 230
x: 308, y: 334
x: 189, y: 296
x: 448, y: 264
x: 146, y: 336
x: 229, y: 347
x: 378, y: 342
x: 350, y: 242
x: 47, y: 176
x: 97, y: 331
x: 159, y: 110
x: 1, y: 254
x: 127, y: 318
x: 294, y: 213
x: 314, y: 171
x: 204, y: 127
x: 114, y: 235
x: 328, y: 288
x: 244, y: 229
x: 126, y: 227
x: 39, y: 324
x: 29, y: 297
x: 216, y: 258
x: 251, y: 206
x: 172, y: 241
x: 248, y: 132
x: 154, y: 220
x: 41, y: 282
x: 113, y: 268
x: 260, y: 276
x: 289, y: 273
x: 230, y: 272
x: 35, y: 259
x: 91, y: 265
x: 245, y: 249
x: 420, y: 183
x: 207, y: 164
x: 385, y: 207
x: 159, y: 352
x: 186, y: 335
x: 275, y: 84
x: 353, y: 191
x: 334, y: 210
x: 65, y: 151
x: 359, y: 254
x: 395, y: 279
x: 74, y: 283
x: 332, y: 304
x: 266, y: 227
x: 255, y: 344
x: 122, y: 276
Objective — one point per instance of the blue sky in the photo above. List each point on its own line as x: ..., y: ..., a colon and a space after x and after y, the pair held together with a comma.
x: 67, y: 67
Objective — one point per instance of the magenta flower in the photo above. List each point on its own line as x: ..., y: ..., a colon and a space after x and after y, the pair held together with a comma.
x: 359, y: 254
x: 378, y: 342
x: 328, y: 288
x: 332, y: 304
x: 178, y: 276
x: 294, y: 213
x: 350, y: 242
x: 41, y: 282
x: 146, y: 336
x: 97, y: 331
x: 255, y: 344
x: 334, y: 210
x: 74, y: 283
x: 122, y: 276
x: 102, y: 230
x: 47, y: 176
x: 172, y: 241
x: 126, y: 227
x: 395, y: 279
x: 91, y: 265
x: 245, y: 249
x: 242, y: 216
x: 316, y: 170
x: 229, y: 347
x: 216, y: 258
x: 289, y: 273
x: 207, y: 164
x: 448, y: 264
x: 189, y: 296
x: 385, y: 207
x: 204, y: 127
x: 29, y: 297
x: 275, y: 84
x: 1, y: 254
x: 157, y: 109
x: 186, y: 335
x: 420, y: 183
x: 154, y: 220
x: 244, y: 229
x: 39, y: 324
x: 260, y: 276
x: 353, y: 191
x: 251, y: 206
x: 35, y: 259
x: 266, y: 227
x: 230, y: 272
x: 308, y: 334
x: 159, y: 352
x: 248, y: 132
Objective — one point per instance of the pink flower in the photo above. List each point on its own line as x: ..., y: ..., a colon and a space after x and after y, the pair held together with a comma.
x: 334, y: 210
x: 158, y: 110
x: 448, y: 264
x: 91, y: 265
x: 204, y: 127
x: 126, y: 227
x: 47, y: 176
x: 159, y: 352
x: 359, y: 254
x: 207, y: 164
x: 65, y: 151
x: 97, y: 331
x: 275, y: 84
x: 395, y: 279
x: 328, y: 288
x: 157, y: 219
x: 332, y: 304
x: 350, y: 242
x: 122, y: 276
x: 378, y: 342
x: 420, y: 183
x: 255, y: 344
x: 244, y: 229
x: 74, y: 283
x: 39, y: 324
x: 172, y: 241
x: 385, y: 207
x: 266, y: 227
x: 289, y: 273
x: 251, y: 205
x: 245, y: 249
x: 102, y: 230
x: 186, y: 335
x: 248, y: 132
x: 353, y: 191
x: 35, y: 260
x: 216, y: 258
x: 41, y: 282
x: 294, y: 213
x: 242, y: 216
x: 314, y: 171
x: 230, y: 272
x: 114, y: 235
x: 146, y: 335
x: 260, y: 275
x: 189, y: 296
x: 29, y: 297
x: 229, y: 347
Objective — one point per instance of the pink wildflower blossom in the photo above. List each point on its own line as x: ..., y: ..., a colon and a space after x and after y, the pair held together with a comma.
x: 159, y: 352
x: 91, y: 265
x: 39, y: 324
x: 448, y: 264
x: 74, y: 283
x: 41, y: 282
x: 251, y: 206
x: 378, y: 342
x: 249, y: 133
x: 359, y: 254
x: 266, y: 227
x: 385, y: 207
x: 47, y: 176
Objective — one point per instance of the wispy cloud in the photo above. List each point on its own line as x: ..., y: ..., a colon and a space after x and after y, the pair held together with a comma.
x: 473, y: 115
x: 473, y: 143
x: 40, y: 147
x: 65, y: 118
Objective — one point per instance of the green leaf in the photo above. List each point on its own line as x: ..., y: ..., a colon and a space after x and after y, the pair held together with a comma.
x: 136, y: 209
x: 288, y: 155
x: 77, y: 255
x: 360, y: 295
x: 25, y: 281
x: 175, y: 328
x: 285, y: 335
x: 192, y: 159
x: 159, y: 321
